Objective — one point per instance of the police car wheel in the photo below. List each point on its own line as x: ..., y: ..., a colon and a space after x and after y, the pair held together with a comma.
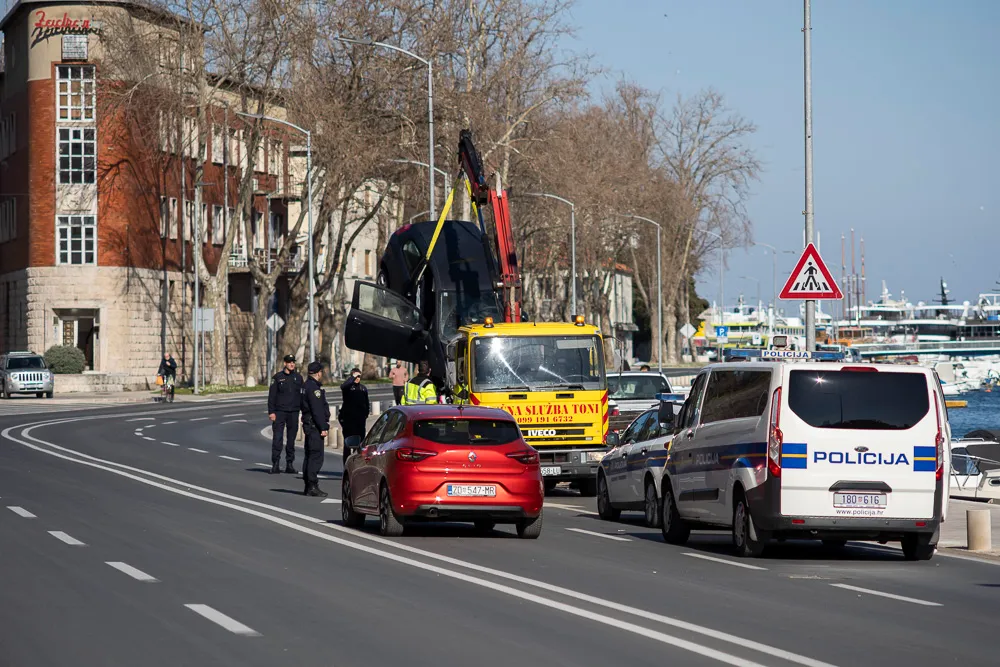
x: 746, y: 546
x: 604, y: 507
x: 652, y: 507
x: 352, y: 519
x: 389, y: 524
x: 675, y: 530
x: 917, y: 546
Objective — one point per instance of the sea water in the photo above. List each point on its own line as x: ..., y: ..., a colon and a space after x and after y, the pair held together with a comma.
x: 983, y: 411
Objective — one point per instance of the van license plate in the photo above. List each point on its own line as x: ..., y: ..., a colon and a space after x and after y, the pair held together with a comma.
x: 866, y: 500
x: 472, y: 491
x: 549, y: 471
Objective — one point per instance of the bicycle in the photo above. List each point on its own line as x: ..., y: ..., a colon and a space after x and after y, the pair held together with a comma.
x: 167, y: 389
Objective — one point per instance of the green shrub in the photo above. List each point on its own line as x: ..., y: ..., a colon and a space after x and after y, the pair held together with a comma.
x: 65, y: 359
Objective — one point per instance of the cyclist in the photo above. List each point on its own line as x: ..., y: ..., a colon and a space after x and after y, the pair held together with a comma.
x: 168, y: 371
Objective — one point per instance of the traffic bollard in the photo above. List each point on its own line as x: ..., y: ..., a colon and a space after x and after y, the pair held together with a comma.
x: 376, y: 408
x: 979, y: 530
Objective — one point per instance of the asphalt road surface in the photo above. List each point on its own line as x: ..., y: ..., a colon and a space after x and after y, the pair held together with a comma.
x: 152, y: 535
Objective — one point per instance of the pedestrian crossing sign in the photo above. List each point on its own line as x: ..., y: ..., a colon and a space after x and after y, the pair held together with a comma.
x: 811, y: 279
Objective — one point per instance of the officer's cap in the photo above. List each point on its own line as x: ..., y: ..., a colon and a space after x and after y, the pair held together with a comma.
x: 315, y: 367
x: 289, y: 358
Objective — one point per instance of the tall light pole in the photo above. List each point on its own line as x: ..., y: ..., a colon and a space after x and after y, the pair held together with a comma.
x: 722, y: 283
x: 807, y: 49
x: 447, y: 178
x: 430, y: 103
x: 572, y: 238
x: 659, y: 285
x: 309, y: 203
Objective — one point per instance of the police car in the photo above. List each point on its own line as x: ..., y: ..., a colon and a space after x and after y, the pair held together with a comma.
x: 815, y: 449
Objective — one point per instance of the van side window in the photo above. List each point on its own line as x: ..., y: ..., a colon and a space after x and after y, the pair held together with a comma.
x: 735, y: 394
x: 689, y: 413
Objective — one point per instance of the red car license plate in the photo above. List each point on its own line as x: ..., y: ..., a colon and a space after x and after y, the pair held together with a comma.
x: 472, y: 490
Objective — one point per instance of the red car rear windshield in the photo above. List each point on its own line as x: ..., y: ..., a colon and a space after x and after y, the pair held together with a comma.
x: 467, y: 431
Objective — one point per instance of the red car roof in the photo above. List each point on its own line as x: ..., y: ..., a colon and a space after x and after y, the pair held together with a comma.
x: 438, y: 411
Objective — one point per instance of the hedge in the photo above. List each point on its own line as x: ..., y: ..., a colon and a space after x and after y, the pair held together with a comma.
x: 65, y: 359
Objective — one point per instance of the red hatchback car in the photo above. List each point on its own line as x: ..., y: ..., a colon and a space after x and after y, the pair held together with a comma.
x: 444, y: 463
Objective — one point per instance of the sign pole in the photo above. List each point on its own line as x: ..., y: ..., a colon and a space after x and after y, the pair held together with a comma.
x: 807, y: 48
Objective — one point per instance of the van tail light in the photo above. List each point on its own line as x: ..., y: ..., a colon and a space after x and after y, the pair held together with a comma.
x: 527, y: 456
x: 774, y: 436
x: 939, y: 439
x: 414, y: 454
x: 860, y: 369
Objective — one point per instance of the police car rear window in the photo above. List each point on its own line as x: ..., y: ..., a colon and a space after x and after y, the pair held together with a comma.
x: 467, y: 431
x: 850, y: 400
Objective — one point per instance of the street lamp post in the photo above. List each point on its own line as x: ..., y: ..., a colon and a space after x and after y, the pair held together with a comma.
x: 309, y: 203
x: 659, y: 286
x: 572, y: 238
x: 774, y: 270
x: 447, y: 178
x: 722, y: 283
x: 430, y: 103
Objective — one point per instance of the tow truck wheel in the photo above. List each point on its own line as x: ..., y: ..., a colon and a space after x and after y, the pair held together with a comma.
x: 675, y: 530
x: 917, y: 546
x: 605, y: 509
x: 588, y: 488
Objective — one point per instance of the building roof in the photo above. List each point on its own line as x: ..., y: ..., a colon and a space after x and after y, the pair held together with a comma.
x: 146, y: 7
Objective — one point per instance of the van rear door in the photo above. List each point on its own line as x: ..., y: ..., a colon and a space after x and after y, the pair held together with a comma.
x: 859, y: 441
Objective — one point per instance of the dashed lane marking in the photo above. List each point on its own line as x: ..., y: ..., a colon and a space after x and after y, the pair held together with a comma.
x: 596, y: 534
x: 172, y: 444
x: 891, y: 596
x: 332, y: 500
x: 263, y: 465
x: 136, y: 574
x: 238, y: 414
x: 200, y: 451
x: 142, y: 419
x: 146, y: 437
x: 199, y: 419
x: 20, y: 511
x: 726, y: 561
x: 63, y: 537
x: 221, y: 619
x: 228, y: 458
x: 236, y: 421
x: 168, y: 423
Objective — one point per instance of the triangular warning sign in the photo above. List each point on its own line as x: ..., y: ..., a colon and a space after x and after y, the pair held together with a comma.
x: 811, y: 279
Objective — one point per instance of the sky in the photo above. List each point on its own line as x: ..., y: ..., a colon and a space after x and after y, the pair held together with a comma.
x: 906, y: 108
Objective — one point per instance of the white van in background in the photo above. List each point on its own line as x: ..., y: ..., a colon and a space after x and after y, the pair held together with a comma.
x: 786, y: 445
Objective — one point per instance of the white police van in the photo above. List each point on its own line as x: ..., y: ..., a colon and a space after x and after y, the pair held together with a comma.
x: 799, y: 445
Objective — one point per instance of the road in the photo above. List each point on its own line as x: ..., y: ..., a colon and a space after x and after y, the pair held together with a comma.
x: 152, y: 535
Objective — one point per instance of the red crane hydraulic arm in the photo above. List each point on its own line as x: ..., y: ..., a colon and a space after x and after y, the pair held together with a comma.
x: 481, y: 195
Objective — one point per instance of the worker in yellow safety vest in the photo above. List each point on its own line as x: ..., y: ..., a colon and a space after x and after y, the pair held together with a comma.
x: 460, y: 393
x: 420, y: 389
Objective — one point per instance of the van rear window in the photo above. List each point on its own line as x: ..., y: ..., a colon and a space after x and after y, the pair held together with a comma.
x: 853, y: 400
x: 467, y: 431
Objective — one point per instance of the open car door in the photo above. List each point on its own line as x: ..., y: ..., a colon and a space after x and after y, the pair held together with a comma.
x: 385, y: 324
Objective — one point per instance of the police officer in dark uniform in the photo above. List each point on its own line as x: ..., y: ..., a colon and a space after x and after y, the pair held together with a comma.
x: 284, y: 400
x: 316, y: 424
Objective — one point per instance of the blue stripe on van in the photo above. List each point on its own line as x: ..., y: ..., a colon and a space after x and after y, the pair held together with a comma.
x: 925, y: 459
x: 794, y: 455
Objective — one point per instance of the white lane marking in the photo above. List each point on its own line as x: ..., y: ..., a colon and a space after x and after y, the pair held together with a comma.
x: 226, y: 622
x: 148, y: 426
x: 141, y: 419
x: 199, y: 419
x: 200, y: 451
x: 263, y: 465
x: 20, y: 511
x: 63, y: 537
x: 228, y: 458
x: 465, y: 566
x: 146, y: 437
x: 604, y: 535
x: 172, y: 444
x: 168, y: 423
x: 238, y: 414
x: 236, y: 421
x: 564, y: 507
x: 331, y: 500
x: 138, y: 575
x: 745, y: 566
x: 891, y: 596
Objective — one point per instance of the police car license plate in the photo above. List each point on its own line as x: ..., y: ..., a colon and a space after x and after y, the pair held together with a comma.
x: 549, y: 471
x: 866, y: 500
x: 472, y: 490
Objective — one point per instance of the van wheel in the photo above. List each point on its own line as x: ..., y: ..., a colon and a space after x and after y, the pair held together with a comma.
x: 654, y: 514
x: 605, y: 509
x: 588, y: 488
x: 917, y: 546
x: 675, y: 529
x: 746, y: 546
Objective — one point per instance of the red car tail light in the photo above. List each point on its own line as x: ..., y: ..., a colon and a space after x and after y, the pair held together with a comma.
x: 413, y: 454
x: 775, y: 436
x: 527, y: 456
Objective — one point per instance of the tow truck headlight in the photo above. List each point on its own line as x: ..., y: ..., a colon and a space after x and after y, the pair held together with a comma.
x: 593, y: 457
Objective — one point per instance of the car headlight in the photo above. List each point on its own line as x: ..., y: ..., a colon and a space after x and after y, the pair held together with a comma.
x: 593, y: 457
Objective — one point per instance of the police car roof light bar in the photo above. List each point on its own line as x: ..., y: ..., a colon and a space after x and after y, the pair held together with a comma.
x: 782, y: 355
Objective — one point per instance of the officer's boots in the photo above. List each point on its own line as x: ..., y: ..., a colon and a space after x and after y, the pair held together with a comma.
x: 275, y: 469
x: 314, y: 491
x: 290, y: 469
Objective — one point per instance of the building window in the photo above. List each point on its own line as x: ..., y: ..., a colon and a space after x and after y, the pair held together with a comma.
x: 217, y: 144
x: 75, y: 92
x: 218, y: 226
x: 273, y: 158
x: 189, y: 233
x: 8, y: 220
x: 368, y: 262
x: 77, y: 236
x: 77, y: 155
x: 168, y: 217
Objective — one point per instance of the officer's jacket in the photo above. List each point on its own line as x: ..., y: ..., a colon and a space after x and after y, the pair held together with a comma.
x: 285, y: 394
x: 356, y: 404
x: 315, y: 409
x: 420, y: 390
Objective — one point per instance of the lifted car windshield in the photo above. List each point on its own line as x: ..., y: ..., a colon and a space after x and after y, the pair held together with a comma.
x: 467, y: 431
x: 458, y: 309
x: 534, y: 363
x: 23, y: 363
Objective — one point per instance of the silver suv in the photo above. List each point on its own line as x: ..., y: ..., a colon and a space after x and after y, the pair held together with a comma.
x: 25, y: 373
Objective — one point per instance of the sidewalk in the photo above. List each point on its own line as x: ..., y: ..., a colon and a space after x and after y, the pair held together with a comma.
x: 953, y: 531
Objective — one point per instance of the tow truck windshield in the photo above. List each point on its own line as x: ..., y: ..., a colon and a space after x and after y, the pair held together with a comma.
x: 538, y: 363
